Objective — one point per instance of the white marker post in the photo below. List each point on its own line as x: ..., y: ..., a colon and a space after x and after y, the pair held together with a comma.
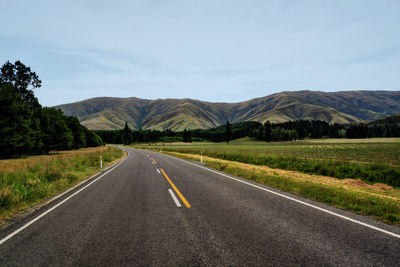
x: 201, y: 157
x: 101, y: 162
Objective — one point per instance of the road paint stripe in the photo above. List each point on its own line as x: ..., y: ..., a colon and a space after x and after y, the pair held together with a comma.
x: 154, y: 161
x: 176, y: 190
x: 158, y: 171
x: 56, y: 206
x: 296, y: 200
x: 174, y: 198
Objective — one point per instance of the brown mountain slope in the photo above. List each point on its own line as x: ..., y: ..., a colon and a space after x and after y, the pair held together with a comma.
x: 297, y: 111
x: 179, y: 114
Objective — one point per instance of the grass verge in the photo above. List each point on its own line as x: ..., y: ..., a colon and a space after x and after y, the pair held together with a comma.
x: 26, y: 182
x: 379, y: 201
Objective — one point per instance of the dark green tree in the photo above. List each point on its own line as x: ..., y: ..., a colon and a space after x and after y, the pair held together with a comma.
x: 268, y: 131
x: 126, y: 135
x: 187, y: 136
x: 92, y: 139
x: 228, y: 132
x: 26, y: 127
x: 16, y: 135
x: 78, y: 132
x: 55, y: 132
x: 22, y: 81
x: 18, y: 81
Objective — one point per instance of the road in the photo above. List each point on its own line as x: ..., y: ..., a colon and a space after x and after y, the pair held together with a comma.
x: 131, y: 216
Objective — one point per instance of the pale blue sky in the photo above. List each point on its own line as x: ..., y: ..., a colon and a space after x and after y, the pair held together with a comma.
x: 209, y: 50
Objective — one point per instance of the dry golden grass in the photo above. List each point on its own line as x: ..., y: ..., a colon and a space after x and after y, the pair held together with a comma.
x: 27, y: 182
x: 9, y: 165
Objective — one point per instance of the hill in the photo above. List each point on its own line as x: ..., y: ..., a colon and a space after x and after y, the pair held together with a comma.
x: 178, y: 114
x: 394, y: 119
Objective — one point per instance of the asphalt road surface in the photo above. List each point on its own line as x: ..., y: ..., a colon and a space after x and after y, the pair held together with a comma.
x: 153, y: 209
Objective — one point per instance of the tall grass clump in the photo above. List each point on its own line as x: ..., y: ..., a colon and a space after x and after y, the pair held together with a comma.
x: 24, y: 182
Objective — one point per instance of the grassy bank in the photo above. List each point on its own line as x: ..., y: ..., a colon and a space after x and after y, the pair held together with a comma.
x: 379, y: 201
x: 25, y: 182
x: 374, y: 160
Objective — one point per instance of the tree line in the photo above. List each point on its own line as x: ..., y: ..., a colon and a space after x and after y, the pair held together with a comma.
x: 300, y: 129
x: 223, y: 133
x: 270, y: 132
x: 28, y: 128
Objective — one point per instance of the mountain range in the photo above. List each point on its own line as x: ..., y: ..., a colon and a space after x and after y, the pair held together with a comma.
x: 178, y: 114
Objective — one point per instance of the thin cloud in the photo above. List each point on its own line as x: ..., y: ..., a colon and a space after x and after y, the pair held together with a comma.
x: 210, y: 50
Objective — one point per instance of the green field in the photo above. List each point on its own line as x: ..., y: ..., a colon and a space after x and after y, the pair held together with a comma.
x: 371, y: 160
x: 366, y: 151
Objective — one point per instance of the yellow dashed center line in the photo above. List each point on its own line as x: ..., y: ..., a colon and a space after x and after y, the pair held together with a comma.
x: 155, y: 162
x: 176, y: 190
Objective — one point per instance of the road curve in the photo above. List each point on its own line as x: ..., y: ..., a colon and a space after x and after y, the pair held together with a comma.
x: 153, y: 209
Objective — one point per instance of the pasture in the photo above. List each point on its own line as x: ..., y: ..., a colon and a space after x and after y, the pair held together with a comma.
x: 371, y: 160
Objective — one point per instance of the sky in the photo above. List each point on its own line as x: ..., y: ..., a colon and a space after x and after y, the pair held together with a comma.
x: 219, y: 51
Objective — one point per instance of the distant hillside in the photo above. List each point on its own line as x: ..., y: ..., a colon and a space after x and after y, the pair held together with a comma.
x: 394, y: 119
x: 179, y: 114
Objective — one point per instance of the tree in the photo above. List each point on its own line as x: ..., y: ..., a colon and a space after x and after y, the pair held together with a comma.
x: 92, y: 139
x: 187, y: 136
x: 276, y: 134
x: 28, y: 128
x: 78, y: 132
x: 126, y: 135
x: 293, y: 135
x: 268, y: 130
x: 184, y: 135
x: 16, y: 83
x: 16, y: 135
x: 342, y: 133
x: 22, y: 81
x: 55, y: 133
x: 228, y: 132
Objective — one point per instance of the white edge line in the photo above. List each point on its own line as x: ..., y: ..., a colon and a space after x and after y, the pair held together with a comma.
x: 59, y: 204
x: 174, y: 198
x: 158, y: 171
x: 295, y: 200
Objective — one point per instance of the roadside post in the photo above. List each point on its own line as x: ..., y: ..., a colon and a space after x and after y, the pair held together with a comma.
x: 101, y: 162
x: 201, y: 157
